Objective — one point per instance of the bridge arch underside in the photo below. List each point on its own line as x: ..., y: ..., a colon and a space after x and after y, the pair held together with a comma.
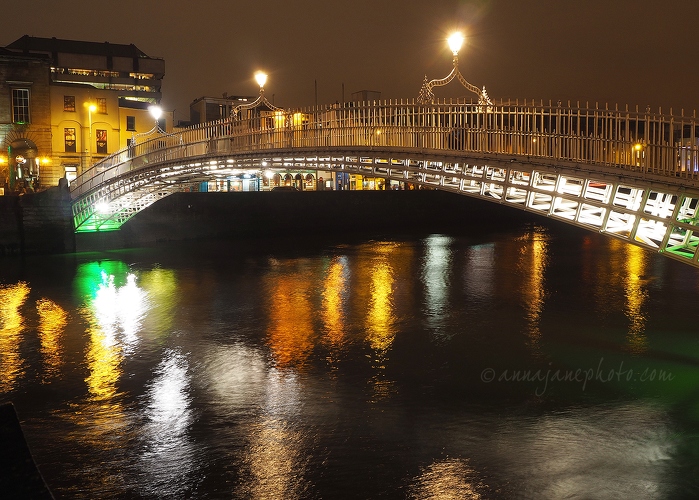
x: 651, y: 213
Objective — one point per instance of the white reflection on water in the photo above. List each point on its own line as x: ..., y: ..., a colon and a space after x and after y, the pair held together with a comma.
x: 479, y: 274
x: 617, y: 452
x: 169, y: 456
x: 121, y: 309
x: 260, y: 408
x: 436, y: 266
x: 236, y: 375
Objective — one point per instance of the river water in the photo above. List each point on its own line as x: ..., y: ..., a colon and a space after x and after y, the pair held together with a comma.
x: 529, y: 362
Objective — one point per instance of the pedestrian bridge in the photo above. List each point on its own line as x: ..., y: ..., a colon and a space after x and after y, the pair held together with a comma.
x: 630, y: 174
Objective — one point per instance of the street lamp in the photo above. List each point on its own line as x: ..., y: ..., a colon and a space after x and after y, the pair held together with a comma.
x: 261, y: 79
x: 91, y: 108
x: 156, y: 112
x: 455, y: 41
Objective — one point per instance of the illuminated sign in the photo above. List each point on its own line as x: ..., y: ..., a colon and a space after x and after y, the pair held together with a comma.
x: 20, y: 159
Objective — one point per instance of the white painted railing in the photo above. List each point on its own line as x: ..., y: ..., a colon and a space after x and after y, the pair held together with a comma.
x: 661, y: 144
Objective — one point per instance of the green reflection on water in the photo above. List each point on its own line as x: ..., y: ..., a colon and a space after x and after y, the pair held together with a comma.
x: 90, y: 276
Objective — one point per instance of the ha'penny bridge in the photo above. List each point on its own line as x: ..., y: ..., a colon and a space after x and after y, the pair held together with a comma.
x: 628, y: 173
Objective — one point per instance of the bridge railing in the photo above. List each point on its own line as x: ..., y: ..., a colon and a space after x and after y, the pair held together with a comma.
x: 656, y: 143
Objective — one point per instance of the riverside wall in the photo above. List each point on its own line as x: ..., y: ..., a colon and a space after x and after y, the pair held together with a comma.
x: 36, y: 223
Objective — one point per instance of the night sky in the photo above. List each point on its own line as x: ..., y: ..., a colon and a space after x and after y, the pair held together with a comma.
x: 632, y: 52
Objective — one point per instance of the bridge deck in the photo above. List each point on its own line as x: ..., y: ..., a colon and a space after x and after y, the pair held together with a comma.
x: 632, y: 175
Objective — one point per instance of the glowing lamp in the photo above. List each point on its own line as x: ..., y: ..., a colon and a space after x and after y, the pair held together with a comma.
x: 455, y: 42
x: 156, y: 112
x: 261, y: 79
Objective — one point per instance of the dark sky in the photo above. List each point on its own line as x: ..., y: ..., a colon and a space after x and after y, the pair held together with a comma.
x: 641, y: 52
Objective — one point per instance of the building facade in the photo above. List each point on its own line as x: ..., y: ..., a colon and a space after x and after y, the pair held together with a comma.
x: 92, y: 99
x: 25, y: 120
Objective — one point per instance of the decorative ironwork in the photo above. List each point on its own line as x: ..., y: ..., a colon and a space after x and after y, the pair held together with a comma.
x: 426, y: 96
x: 259, y: 102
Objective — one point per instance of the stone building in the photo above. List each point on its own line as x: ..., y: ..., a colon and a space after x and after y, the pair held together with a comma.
x: 93, y: 99
x: 25, y: 120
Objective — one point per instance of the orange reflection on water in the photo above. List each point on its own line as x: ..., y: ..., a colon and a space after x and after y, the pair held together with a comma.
x: 332, y: 312
x: 446, y: 480
x: 12, y: 297
x: 52, y: 322
x: 276, y: 461
x: 380, y: 320
x: 290, y: 316
x: 636, y: 294
x: 534, y: 259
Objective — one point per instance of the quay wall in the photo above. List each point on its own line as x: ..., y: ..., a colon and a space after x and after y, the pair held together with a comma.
x: 36, y: 223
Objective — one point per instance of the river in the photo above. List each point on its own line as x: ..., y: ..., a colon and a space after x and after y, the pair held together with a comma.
x: 535, y: 361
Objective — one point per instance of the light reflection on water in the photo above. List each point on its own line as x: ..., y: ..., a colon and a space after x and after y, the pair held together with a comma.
x: 357, y: 370
x: 167, y: 445
x: 449, y: 479
x: 52, y: 322
x: 532, y: 264
x: 12, y: 298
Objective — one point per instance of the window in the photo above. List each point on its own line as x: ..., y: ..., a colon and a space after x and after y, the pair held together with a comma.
x: 131, y: 123
x: 101, y: 141
x: 69, y: 103
x: 69, y: 134
x: 102, y: 105
x: 20, y: 106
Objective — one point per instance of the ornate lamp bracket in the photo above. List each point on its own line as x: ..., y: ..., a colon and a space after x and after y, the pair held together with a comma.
x: 261, y: 100
x: 426, y: 95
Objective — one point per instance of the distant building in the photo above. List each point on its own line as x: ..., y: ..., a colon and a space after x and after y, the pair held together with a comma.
x: 366, y: 96
x: 209, y: 109
x: 94, y: 95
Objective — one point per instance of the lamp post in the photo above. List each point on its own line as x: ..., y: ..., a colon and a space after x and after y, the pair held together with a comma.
x: 261, y: 79
x: 156, y: 112
x: 91, y: 108
x: 426, y: 96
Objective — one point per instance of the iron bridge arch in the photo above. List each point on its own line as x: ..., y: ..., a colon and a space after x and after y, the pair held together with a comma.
x: 630, y: 175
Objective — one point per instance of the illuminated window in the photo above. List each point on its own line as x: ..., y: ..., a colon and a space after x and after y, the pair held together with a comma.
x: 20, y: 106
x: 102, y: 105
x: 69, y: 103
x: 69, y: 141
x: 101, y: 136
x: 131, y: 123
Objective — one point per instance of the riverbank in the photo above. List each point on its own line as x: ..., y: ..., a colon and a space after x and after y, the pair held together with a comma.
x: 36, y: 223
